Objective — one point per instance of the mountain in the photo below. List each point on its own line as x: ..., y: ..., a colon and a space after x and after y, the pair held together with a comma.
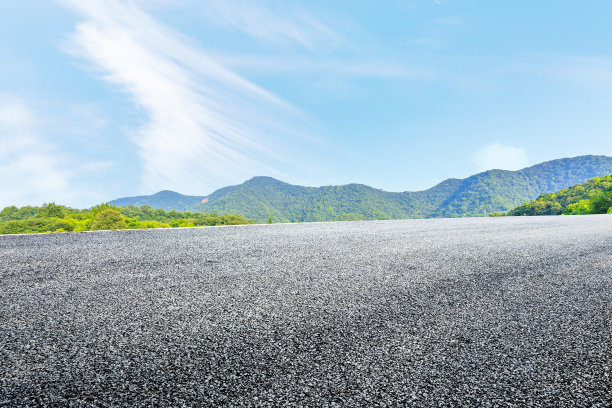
x: 166, y: 199
x: 261, y: 198
x: 499, y: 190
x: 591, y: 197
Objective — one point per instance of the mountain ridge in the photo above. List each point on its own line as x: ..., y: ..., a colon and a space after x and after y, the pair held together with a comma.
x: 263, y: 198
x: 166, y: 199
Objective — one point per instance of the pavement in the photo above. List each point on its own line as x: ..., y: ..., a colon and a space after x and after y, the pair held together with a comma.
x: 511, y: 311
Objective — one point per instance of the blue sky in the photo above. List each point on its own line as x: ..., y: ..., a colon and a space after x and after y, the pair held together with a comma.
x: 101, y: 99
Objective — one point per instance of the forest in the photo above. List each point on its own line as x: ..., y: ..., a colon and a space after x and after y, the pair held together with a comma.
x: 265, y: 198
x: 51, y: 217
x: 262, y: 198
x: 591, y: 197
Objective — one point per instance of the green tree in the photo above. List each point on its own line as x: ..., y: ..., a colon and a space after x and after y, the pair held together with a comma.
x: 101, y: 207
x: 602, y: 202
x: 52, y: 210
x: 130, y: 211
x: 594, y: 196
x: 108, y: 219
x: 581, y: 207
x: 8, y: 212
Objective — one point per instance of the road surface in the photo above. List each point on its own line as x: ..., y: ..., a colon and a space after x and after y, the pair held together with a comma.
x: 444, y: 312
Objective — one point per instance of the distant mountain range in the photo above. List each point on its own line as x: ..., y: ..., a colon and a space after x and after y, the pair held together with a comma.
x: 262, y: 198
x: 168, y: 200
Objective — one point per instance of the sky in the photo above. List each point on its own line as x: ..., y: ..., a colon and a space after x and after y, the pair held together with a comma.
x: 101, y: 99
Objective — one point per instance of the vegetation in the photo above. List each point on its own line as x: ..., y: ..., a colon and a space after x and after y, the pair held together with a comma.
x: 262, y: 198
x: 268, y: 200
x: 58, y: 218
x: 108, y: 219
x: 592, y: 197
x: 265, y: 199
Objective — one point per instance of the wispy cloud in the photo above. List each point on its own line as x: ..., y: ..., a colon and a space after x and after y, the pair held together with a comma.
x: 498, y: 156
x: 206, y: 126
x: 286, y: 25
x: 34, y: 168
x: 271, y: 65
x: 31, y: 170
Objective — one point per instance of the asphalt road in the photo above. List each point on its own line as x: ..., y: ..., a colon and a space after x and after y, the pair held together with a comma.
x: 470, y: 312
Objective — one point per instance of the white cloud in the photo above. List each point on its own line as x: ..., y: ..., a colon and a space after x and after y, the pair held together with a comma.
x: 33, y: 170
x: 498, y: 156
x: 30, y: 168
x: 206, y: 125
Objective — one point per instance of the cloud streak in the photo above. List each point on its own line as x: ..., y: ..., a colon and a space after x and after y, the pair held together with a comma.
x: 206, y: 126
x: 283, y: 27
x: 270, y: 65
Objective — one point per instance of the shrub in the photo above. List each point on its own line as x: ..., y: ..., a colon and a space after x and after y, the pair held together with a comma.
x: 153, y: 224
x: 232, y: 219
x: 82, y: 225
x: 108, y: 219
x: 135, y: 224
x: 181, y: 224
x: 13, y: 227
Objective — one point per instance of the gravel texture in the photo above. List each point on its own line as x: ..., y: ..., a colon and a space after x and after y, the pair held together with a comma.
x: 446, y: 312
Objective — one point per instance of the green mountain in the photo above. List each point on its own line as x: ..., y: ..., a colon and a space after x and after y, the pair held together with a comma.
x: 591, y: 197
x: 166, y: 199
x: 262, y: 198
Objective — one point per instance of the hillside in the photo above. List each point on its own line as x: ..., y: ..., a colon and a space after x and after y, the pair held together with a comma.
x: 591, y: 197
x: 265, y: 198
x: 261, y: 198
x: 167, y: 200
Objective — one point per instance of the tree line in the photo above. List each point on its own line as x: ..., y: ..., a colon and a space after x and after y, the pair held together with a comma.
x: 52, y: 217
